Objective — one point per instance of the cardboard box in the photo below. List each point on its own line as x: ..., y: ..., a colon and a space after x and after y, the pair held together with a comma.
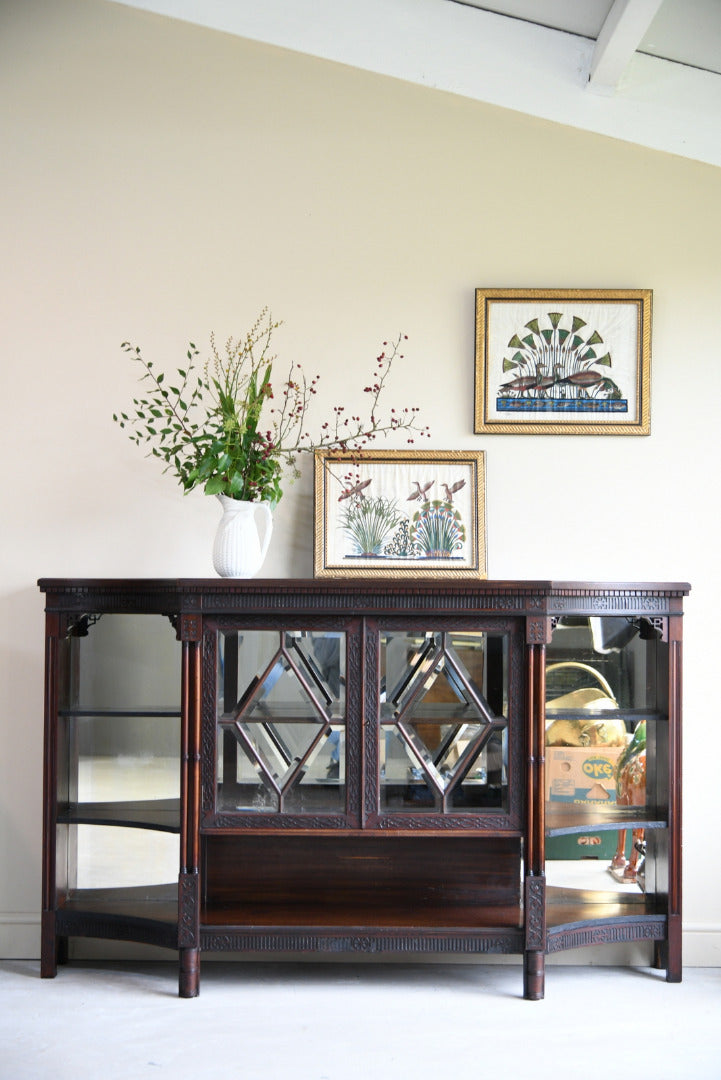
x: 582, y: 774
x: 592, y: 845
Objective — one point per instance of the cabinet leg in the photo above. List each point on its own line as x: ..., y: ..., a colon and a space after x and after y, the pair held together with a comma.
x: 189, y: 980
x: 534, y: 972
x: 48, y: 946
x: 672, y: 951
x: 660, y: 951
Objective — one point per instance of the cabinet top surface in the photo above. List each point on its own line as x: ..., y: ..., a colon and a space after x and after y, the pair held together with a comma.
x: 360, y: 596
x: 357, y: 585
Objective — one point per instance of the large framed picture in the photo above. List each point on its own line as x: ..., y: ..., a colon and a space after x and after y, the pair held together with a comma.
x: 414, y: 513
x: 563, y: 361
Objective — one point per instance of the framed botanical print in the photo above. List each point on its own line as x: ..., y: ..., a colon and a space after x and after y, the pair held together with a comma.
x: 563, y: 361
x: 390, y: 513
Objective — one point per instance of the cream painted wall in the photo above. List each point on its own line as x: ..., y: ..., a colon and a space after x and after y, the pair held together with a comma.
x: 159, y: 181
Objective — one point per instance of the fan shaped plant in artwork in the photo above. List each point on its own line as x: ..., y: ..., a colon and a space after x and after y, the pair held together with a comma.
x: 369, y: 523
x: 556, y: 359
x: 437, y: 530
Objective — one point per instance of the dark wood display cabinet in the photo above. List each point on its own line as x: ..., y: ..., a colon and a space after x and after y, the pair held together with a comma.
x: 346, y: 767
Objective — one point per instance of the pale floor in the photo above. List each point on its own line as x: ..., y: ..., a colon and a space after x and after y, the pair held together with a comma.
x: 101, y: 1020
x: 112, y: 1021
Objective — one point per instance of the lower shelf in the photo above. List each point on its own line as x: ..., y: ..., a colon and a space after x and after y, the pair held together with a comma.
x: 148, y: 915
x: 578, y: 917
x: 386, y: 913
x: 373, y: 881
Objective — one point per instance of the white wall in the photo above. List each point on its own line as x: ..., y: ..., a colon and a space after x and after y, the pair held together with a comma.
x: 159, y: 181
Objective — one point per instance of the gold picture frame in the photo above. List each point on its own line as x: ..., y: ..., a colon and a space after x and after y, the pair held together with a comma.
x: 563, y: 361
x: 379, y: 514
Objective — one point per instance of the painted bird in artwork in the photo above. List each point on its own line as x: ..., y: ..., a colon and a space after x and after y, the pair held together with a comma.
x: 450, y: 491
x: 584, y: 380
x: 357, y: 489
x: 420, y: 492
x: 521, y: 385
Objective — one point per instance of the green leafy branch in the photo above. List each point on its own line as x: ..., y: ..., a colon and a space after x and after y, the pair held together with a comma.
x: 221, y: 427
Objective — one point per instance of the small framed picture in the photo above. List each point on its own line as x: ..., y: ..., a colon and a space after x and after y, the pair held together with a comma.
x: 563, y: 361
x: 395, y: 513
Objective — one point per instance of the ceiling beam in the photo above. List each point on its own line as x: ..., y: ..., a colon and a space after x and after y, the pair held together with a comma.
x: 619, y: 37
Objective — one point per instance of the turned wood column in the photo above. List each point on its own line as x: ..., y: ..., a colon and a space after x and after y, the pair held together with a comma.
x: 538, y: 633
x: 674, y: 950
x: 189, y: 880
x: 48, y: 938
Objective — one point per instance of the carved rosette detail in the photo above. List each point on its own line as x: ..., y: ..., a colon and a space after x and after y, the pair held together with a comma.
x: 188, y: 922
x: 535, y: 913
x: 537, y: 630
x: 190, y: 627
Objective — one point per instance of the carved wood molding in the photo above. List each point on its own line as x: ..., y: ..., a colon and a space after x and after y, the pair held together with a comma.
x: 535, y: 913
x: 345, y: 941
x: 606, y: 934
x: 188, y: 911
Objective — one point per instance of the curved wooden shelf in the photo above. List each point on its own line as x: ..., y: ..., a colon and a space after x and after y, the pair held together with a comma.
x: 162, y: 815
x: 577, y: 819
x: 148, y: 915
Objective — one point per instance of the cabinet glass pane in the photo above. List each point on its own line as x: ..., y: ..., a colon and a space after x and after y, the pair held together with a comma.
x: 114, y: 858
x: 443, y: 724
x: 281, y: 721
x: 120, y: 767
x: 617, y: 659
x: 120, y: 662
x: 118, y: 746
x: 606, y: 738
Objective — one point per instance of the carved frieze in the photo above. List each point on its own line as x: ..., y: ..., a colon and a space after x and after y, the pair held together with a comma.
x: 348, y: 942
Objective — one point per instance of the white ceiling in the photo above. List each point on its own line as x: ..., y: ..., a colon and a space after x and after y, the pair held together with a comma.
x: 684, y: 31
x: 646, y: 71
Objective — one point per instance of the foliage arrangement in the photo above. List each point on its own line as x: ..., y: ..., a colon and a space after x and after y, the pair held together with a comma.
x: 226, y: 427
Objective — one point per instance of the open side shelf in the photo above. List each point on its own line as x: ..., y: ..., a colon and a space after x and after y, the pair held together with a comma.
x: 159, y: 902
x: 147, y: 915
x: 162, y: 815
x: 570, y: 820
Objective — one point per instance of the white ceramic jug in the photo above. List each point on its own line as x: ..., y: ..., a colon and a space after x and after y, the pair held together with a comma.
x: 238, y: 550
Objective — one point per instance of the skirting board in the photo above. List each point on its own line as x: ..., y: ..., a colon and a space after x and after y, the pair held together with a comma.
x: 20, y: 940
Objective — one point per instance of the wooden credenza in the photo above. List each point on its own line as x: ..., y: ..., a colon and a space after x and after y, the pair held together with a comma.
x: 342, y: 767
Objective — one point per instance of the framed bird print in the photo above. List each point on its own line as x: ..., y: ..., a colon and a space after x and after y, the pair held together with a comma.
x: 396, y: 513
x: 563, y: 361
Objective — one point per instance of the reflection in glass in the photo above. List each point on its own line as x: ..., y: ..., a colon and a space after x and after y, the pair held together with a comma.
x: 621, y: 652
x: 118, y: 746
x: 281, y: 713
x: 107, y: 766
x: 444, y: 728
x: 120, y: 662
x: 112, y: 858
x: 605, y: 705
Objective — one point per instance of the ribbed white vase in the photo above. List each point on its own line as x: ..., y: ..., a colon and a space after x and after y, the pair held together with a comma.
x: 238, y: 550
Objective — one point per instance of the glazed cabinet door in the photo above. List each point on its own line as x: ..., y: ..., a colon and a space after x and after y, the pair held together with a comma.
x: 281, y: 743
x: 444, y: 706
